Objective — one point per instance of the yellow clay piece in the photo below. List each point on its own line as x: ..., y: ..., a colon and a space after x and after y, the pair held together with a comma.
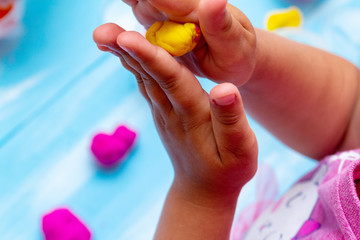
x: 290, y: 17
x: 175, y: 38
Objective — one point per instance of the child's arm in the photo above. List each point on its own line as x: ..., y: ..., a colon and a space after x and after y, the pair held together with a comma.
x: 209, y: 141
x: 304, y: 96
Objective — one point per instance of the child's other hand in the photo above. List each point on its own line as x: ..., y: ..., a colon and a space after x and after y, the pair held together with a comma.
x: 227, y: 50
x: 212, y: 148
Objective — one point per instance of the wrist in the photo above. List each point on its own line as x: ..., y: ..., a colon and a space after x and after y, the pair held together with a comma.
x: 191, y: 214
x: 197, y: 195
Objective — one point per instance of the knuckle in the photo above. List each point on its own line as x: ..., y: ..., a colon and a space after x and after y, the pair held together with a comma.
x: 170, y: 83
x: 163, y: 124
x: 147, y: 80
x: 229, y: 118
x: 189, y: 124
x: 139, y: 79
x: 160, y: 121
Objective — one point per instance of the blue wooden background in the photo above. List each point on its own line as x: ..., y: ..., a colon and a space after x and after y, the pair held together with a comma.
x: 57, y: 90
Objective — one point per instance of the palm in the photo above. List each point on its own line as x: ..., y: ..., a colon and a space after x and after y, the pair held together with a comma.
x: 212, y: 59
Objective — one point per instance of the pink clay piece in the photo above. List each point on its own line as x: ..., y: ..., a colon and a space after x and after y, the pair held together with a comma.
x: 109, y: 150
x: 125, y: 134
x: 62, y: 224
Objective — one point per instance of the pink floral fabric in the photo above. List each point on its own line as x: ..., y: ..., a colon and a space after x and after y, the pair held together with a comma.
x: 324, y: 204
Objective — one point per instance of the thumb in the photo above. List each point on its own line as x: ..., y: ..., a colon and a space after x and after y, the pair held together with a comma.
x: 227, y: 32
x: 234, y: 137
x: 214, y: 18
x: 222, y: 21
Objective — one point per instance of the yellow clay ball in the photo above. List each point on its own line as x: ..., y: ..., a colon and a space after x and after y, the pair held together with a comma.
x: 175, y: 38
x: 290, y: 17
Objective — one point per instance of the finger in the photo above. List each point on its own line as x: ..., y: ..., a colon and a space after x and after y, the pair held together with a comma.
x: 179, y: 84
x: 139, y: 81
x: 154, y: 92
x: 225, y: 33
x: 105, y: 38
x: 233, y: 135
x: 106, y: 35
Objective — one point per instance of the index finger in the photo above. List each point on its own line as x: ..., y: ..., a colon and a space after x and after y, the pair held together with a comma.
x: 179, y: 83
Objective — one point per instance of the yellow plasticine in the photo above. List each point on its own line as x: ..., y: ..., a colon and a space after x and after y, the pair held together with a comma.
x: 175, y: 38
x: 290, y: 17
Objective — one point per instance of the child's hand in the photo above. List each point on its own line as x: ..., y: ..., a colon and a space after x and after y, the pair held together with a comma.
x: 227, y: 51
x: 208, y: 138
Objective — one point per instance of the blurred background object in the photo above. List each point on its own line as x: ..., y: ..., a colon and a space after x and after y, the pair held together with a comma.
x: 11, y: 13
x: 10, y: 16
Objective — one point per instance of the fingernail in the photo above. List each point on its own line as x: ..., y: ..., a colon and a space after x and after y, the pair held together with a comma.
x: 225, y: 100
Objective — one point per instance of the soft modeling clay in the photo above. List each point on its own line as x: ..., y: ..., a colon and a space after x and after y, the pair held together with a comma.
x: 176, y: 38
x: 290, y: 17
x: 109, y: 150
x: 125, y: 135
x: 62, y: 224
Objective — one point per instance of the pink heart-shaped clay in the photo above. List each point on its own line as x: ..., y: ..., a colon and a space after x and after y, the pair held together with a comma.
x: 107, y: 149
x: 110, y: 149
x: 125, y: 134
